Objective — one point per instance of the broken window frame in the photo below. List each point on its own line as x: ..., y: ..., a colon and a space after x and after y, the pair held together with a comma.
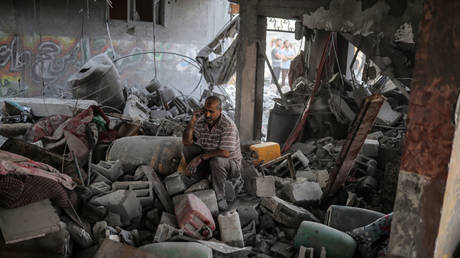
x: 158, y: 12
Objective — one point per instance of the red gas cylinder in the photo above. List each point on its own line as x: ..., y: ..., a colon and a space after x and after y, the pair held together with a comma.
x: 194, y: 217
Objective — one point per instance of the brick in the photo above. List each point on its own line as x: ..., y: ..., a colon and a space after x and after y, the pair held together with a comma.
x: 143, y: 190
x: 263, y: 186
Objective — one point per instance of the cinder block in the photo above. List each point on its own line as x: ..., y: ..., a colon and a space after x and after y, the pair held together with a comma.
x: 123, y: 203
x: 158, y: 187
x: 206, y: 196
x: 298, y: 158
x: 303, y: 192
x: 370, y: 148
x: 143, y: 190
x: 263, y: 186
x: 111, y: 170
x: 177, y: 182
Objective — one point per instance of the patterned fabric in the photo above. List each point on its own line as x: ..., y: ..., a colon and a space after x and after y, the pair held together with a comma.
x: 15, y: 164
x: 17, y: 191
x: 222, y: 136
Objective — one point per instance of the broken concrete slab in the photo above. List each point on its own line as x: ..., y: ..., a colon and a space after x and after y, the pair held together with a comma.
x: 112, y: 170
x: 143, y: 190
x: 135, y: 109
x: 14, y: 130
x: 165, y: 232
x: 286, y: 213
x: 375, y: 135
x: 123, y: 203
x: 27, y: 222
x: 45, y: 107
x: 320, y: 176
x: 305, y: 148
x: 263, y: 186
x: 55, y: 244
x: 177, y: 183
x: 370, y: 148
x: 303, y: 192
x: 206, y: 196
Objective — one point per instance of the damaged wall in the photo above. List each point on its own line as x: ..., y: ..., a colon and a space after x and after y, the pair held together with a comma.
x: 42, y: 43
x: 385, y: 30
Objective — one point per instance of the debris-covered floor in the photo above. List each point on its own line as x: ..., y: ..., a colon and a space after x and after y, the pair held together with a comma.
x: 81, y: 179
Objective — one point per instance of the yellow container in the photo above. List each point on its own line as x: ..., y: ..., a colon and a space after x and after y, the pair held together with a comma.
x: 264, y: 152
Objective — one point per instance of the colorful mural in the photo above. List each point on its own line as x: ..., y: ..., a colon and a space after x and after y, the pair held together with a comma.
x: 40, y: 66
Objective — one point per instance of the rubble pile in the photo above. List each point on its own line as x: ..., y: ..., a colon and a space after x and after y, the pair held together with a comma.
x: 81, y: 174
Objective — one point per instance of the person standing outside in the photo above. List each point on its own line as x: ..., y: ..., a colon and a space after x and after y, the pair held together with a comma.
x: 288, y: 54
x: 277, y: 57
x: 212, y: 146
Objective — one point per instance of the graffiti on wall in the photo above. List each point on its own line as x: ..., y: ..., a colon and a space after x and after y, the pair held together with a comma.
x: 31, y: 63
x: 34, y: 66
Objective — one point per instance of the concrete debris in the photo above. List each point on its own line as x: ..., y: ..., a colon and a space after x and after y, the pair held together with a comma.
x: 299, y: 160
x: 262, y: 186
x: 138, y: 193
x: 143, y: 190
x: 111, y: 170
x: 177, y: 183
x: 44, y: 107
x: 387, y: 115
x: 165, y: 232
x: 135, y: 109
x: 286, y: 213
x: 320, y: 176
x: 302, y: 193
x: 27, y: 222
x: 123, y: 203
x: 370, y: 148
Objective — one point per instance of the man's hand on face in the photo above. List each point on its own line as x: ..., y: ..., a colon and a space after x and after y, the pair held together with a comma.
x: 195, y: 116
x: 193, y: 165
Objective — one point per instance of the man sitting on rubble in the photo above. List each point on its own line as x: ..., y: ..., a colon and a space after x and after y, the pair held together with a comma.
x: 212, y: 145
